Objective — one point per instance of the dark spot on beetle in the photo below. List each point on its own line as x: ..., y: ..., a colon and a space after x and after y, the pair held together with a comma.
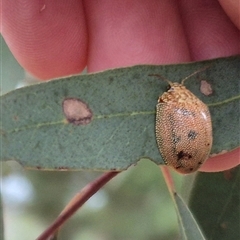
x: 199, y: 163
x: 192, y: 135
x: 182, y: 155
x: 207, y: 144
x: 178, y: 167
x: 76, y: 111
x: 176, y: 139
x: 160, y: 100
x: 190, y: 169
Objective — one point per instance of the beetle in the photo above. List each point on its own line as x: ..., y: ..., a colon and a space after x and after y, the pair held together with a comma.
x: 183, y: 128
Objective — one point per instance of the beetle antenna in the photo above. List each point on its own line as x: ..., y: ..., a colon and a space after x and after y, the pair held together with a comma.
x: 161, y: 77
x: 198, y: 71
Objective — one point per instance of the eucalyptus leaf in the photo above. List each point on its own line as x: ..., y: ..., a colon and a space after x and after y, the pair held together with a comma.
x: 189, y: 228
x: 119, y: 126
x: 1, y: 220
x: 11, y: 72
x: 214, y: 199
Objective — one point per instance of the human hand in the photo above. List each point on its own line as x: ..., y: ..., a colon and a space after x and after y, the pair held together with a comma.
x: 52, y: 39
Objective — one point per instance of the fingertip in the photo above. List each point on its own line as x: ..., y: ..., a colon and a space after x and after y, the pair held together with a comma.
x: 125, y: 33
x: 232, y: 8
x: 49, y: 39
x: 209, y: 31
x: 222, y: 162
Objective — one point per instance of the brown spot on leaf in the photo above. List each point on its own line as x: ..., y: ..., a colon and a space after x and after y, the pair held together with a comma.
x: 76, y: 111
x: 206, y: 88
x: 15, y: 118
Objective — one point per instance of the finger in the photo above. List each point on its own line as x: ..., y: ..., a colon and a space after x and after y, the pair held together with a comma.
x: 232, y: 9
x: 222, y: 162
x: 210, y: 34
x: 209, y: 31
x: 123, y: 33
x: 48, y: 38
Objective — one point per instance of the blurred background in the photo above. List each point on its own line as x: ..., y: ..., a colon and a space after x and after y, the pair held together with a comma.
x: 133, y: 206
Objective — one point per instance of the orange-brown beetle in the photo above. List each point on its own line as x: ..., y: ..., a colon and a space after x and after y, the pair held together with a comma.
x: 183, y: 128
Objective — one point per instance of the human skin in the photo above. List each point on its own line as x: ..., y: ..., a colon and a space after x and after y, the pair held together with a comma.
x: 53, y: 39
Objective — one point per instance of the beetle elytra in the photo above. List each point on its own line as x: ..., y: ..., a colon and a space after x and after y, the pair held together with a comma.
x: 183, y: 128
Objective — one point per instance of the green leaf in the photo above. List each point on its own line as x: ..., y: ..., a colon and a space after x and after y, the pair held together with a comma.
x: 214, y: 199
x: 35, y: 133
x: 1, y: 220
x: 10, y: 70
x: 189, y: 228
